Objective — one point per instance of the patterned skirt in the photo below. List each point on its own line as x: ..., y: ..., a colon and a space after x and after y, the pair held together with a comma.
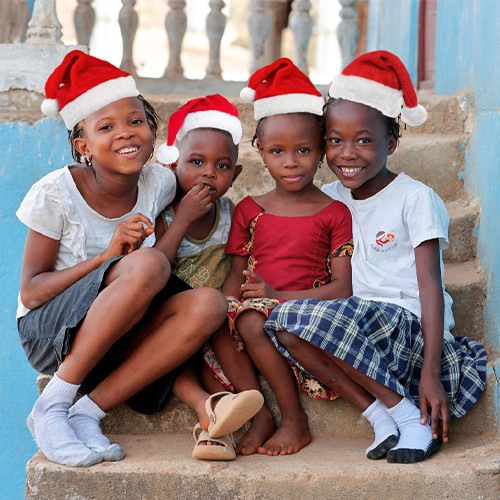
x: 383, y: 341
x: 307, y: 383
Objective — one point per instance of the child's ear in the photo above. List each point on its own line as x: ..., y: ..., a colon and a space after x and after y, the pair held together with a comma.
x: 173, y: 166
x: 80, y: 145
x: 392, y: 145
x: 237, y: 171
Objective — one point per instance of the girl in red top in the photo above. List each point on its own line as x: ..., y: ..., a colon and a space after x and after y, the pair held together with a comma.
x: 292, y: 242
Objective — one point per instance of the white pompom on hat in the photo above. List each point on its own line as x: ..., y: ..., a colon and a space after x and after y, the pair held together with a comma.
x: 379, y: 79
x: 281, y: 88
x: 212, y: 111
x: 81, y: 85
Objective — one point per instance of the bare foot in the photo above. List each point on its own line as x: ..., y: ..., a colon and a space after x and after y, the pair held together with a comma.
x: 262, y: 428
x: 292, y: 435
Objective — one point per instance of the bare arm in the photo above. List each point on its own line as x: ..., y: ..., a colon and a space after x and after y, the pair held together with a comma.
x: 41, y: 283
x: 235, y: 279
x: 431, y: 390
x: 339, y: 287
x: 192, y: 207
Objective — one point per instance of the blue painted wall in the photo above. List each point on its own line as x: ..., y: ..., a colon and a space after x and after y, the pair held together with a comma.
x: 468, y: 60
x: 393, y: 26
x: 28, y: 152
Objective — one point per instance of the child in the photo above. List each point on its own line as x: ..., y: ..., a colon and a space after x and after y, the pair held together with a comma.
x: 292, y: 242
x: 383, y: 349
x: 192, y: 233
x: 95, y: 308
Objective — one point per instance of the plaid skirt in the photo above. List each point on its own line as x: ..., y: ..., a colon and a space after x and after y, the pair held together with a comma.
x: 383, y: 341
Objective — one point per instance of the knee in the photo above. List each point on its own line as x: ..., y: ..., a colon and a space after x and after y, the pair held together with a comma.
x: 149, y: 270
x: 211, y: 307
x: 250, y: 326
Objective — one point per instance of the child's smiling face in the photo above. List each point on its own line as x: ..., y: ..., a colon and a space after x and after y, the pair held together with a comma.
x: 357, y: 146
x: 207, y: 156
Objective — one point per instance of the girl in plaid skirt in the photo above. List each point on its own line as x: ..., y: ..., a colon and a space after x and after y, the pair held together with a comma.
x: 388, y: 349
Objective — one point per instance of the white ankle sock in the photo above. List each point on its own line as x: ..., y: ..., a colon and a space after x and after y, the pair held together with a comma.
x: 84, y: 418
x: 49, y: 426
x: 413, y: 435
x: 386, y: 430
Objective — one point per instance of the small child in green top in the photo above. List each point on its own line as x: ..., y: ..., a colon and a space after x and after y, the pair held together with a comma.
x: 193, y: 231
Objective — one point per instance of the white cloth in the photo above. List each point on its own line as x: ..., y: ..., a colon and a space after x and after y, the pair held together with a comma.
x: 55, y: 208
x: 387, y: 227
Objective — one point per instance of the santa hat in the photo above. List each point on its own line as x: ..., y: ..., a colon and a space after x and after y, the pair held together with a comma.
x: 212, y: 111
x: 380, y: 80
x: 81, y: 85
x: 281, y: 88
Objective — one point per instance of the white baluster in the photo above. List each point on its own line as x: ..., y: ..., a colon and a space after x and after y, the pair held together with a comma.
x: 216, y: 24
x: 259, y: 25
x: 175, y: 24
x: 348, y: 31
x: 128, y: 21
x: 84, y: 19
x: 44, y: 27
x: 301, y: 24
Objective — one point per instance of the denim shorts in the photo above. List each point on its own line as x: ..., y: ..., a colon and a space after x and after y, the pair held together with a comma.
x: 47, y: 333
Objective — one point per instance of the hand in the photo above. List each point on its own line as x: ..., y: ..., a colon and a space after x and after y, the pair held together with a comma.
x: 432, y: 393
x: 129, y: 235
x: 195, y: 204
x: 256, y: 287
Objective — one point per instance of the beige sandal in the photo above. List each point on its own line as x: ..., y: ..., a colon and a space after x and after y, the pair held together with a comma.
x: 213, y: 449
x: 231, y: 411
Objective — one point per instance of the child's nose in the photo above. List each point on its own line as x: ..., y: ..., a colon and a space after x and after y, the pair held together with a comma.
x: 210, y: 171
x: 348, y: 152
x: 290, y: 160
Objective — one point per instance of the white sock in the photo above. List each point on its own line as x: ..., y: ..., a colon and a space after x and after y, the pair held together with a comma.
x: 84, y: 418
x: 413, y: 435
x: 386, y: 430
x: 49, y: 426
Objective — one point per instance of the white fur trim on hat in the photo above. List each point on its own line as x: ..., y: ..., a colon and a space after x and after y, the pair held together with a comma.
x: 387, y: 100
x: 211, y: 119
x: 96, y: 98
x: 288, y: 103
x: 167, y: 154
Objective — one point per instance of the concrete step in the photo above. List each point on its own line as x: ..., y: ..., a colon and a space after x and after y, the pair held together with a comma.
x: 161, y: 467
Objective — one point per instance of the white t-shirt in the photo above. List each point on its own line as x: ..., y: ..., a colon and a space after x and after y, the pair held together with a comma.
x: 55, y: 208
x: 387, y: 227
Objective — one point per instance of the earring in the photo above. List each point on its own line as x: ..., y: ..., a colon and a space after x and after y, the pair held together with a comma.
x: 265, y: 166
x: 88, y: 161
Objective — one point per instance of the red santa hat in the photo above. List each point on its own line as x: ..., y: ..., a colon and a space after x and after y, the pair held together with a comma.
x: 82, y: 84
x: 212, y: 111
x: 380, y: 80
x: 281, y: 88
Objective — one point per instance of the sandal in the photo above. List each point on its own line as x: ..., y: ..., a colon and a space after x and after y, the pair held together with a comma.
x: 213, y: 449
x: 231, y: 411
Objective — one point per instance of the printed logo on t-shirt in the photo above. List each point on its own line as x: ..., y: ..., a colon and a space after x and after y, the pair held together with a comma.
x: 384, y: 242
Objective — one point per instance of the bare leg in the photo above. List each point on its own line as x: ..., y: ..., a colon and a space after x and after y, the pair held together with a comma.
x: 240, y: 370
x: 293, y: 432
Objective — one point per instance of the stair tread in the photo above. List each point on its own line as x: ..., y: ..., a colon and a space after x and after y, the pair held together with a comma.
x: 160, y: 466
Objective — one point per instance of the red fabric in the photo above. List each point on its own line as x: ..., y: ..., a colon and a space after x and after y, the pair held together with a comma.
x: 289, y: 253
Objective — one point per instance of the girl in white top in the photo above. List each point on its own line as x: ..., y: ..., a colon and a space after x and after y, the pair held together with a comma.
x: 95, y: 308
x: 388, y: 349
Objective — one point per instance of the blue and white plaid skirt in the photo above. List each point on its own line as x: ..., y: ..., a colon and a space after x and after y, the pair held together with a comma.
x: 383, y: 341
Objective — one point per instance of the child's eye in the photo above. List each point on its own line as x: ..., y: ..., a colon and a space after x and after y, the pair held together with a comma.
x: 334, y: 140
x: 196, y: 162
x: 276, y: 151
x: 364, y: 140
x: 223, y: 166
x: 304, y: 150
x: 137, y: 121
x: 104, y: 128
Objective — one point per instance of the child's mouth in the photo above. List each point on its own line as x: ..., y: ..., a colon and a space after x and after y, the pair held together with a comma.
x: 128, y: 150
x: 349, y: 171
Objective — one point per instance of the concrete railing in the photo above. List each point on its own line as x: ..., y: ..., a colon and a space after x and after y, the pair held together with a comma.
x: 265, y: 20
